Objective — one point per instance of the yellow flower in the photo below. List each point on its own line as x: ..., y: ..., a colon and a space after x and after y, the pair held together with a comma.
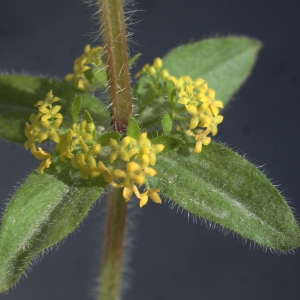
x: 86, y: 161
x: 119, y: 150
x: 81, y: 131
x: 32, y: 131
x: 157, y: 63
x: 91, y: 58
x: 197, y: 117
x: 81, y: 165
x: 143, y: 146
x: 128, y: 191
x: 45, y: 156
x: 214, y: 122
x: 191, y: 92
x: 89, y: 153
x: 152, y: 193
x: 132, y: 174
x: 50, y: 130
x: 47, y: 102
x: 209, y: 102
x: 104, y: 171
x: 65, y: 146
x: 150, y: 69
x: 49, y: 113
x: 164, y: 74
x: 201, y: 139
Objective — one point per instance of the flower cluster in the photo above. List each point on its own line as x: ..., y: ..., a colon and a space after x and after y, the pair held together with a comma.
x: 130, y: 160
x: 91, y: 58
x: 200, y: 103
x: 44, y: 125
x: 140, y: 156
x: 198, y: 99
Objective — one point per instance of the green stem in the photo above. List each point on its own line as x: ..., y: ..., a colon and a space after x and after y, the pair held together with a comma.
x: 113, y: 245
x: 113, y: 31
x: 115, y: 42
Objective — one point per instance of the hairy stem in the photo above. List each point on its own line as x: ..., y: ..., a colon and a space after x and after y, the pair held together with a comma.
x: 116, y: 54
x: 113, y: 245
x: 113, y: 31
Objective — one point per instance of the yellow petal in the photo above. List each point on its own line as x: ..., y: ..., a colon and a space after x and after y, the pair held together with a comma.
x: 198, y: 147
x: 127, y: 193
x: 211, y: 93
x: 158, y: 148
x: 155, y: 197
x: 194, y: 122
x: 144, y: 200
x: 206, y: 141
x: 205, y: 121
x: 218, y: 119
x: 191, y: 109
x: 214, y: 109
x: 218, y: 103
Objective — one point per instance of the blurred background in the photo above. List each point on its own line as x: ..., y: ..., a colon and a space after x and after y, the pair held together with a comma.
x: 171, y: 256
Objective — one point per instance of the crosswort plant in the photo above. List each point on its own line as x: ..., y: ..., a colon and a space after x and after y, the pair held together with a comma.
x: 95, y: 131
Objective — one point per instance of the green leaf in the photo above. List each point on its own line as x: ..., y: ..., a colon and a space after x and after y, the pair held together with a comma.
x: 45, y: 209
x: 134, y: 58
x: 19, y: 93
x: 133, y: 129
x: 223, y: 187
x: 224, y: 63
x: 76, y: 108
x: 166, y: 123
x: 96, y: 108
x: 103, y: 139
x: 69, y: 96
x: 88, y: 117
x: 171, y: 94
x: 96, y: 77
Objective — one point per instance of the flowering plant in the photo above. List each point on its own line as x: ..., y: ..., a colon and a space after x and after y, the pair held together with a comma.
x: 154, y: 141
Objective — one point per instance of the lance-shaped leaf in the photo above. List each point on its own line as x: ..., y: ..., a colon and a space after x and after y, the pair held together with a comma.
x: 44, y: 209
x: 19, y: 93
x: 224, y: 63
x: 223, y: 187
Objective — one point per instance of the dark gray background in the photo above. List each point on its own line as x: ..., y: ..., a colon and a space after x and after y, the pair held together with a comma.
x: 172, y: 258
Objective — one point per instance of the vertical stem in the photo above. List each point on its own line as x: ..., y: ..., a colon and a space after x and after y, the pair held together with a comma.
x: 113, y: 31
x: 116, y: 53
x: 113, y: 245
